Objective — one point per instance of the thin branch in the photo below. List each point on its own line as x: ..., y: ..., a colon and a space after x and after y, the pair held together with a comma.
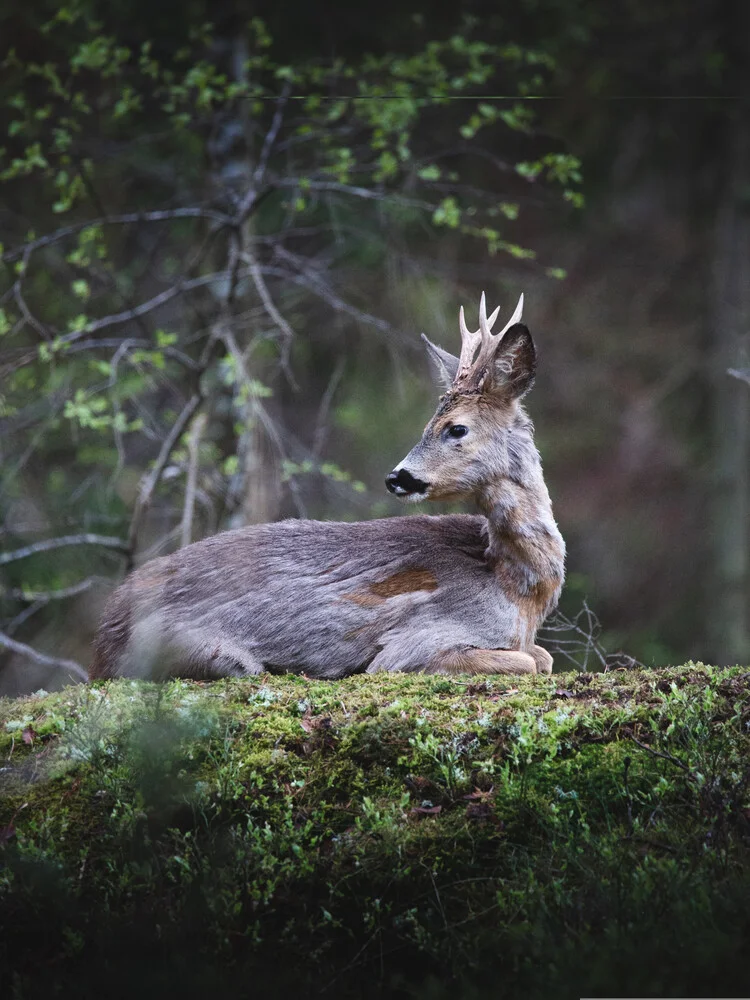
x: 357, y: 192
x: 47, y: 544
x: 149, y: 481
x: 325, y: 405
x: 251, y: 203
x: 131, y: 217
x: 47, y: 661
x: 275, y: 316
x: 272, y: 133
x: 324, y: 291
x: 137, y: 342
x: 114, y: 319
x: 23, y: 308
x: 12, y: 626
x: 663, y: 756
x: 193, y: 444
x: 50, y: 595
x: 121, y: 351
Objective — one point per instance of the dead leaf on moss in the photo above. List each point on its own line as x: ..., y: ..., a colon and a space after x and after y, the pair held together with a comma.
x: 311, y: 722
x: 426, y: 810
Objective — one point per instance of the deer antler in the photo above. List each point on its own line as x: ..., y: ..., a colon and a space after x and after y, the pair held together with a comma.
x: 472, y: 364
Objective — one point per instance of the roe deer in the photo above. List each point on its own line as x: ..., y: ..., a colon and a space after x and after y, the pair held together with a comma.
x: 442, y: 594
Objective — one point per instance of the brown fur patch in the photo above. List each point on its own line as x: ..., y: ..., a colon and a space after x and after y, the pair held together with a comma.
x: 481, y: 661
x: 537, y: 552
x: 363, y: 599
x: 536, y: 604
x: 408, y: 581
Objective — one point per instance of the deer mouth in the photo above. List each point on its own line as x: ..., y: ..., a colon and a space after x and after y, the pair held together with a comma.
x: 402, y: 483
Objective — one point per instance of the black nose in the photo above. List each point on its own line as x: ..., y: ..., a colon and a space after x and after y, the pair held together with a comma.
x: 402, y: 482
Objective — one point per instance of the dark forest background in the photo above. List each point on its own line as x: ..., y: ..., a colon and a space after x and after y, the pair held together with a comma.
x: 225, y: 225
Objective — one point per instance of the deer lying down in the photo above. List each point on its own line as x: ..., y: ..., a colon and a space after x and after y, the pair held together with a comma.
x: 448, y: 594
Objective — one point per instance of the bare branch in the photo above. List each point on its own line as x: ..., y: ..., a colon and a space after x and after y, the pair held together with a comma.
x: 662, y: 756
x: 47, y: 544
x: 121, y: 351
x: 114, y: 319
x: 275, y: 316
x: 368, y: 194
x: 27, y: 314
x: 51, y: 595
x: 47, y: 661
x: 194, y: 440
x: 12, y: 626
x: 131, y: 217
x: 325, y: 405
x: 137, y: 342
x: 324, y: 291
x: 149, y: 481
x: 272, y: 133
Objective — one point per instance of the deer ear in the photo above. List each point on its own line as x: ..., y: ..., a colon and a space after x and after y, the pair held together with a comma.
x: 514, y: 364
x: 444, y: 365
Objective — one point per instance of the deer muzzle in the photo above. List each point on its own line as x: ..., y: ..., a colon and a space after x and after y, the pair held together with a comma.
x: 401, y: 483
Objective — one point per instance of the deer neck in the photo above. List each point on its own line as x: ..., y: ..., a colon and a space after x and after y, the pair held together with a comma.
x: 526, y: 550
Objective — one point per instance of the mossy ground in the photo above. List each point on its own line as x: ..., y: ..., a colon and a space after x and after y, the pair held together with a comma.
x: 392, y: 835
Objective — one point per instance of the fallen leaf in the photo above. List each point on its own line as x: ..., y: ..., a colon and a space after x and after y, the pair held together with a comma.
x: 311, y: 722
x: 479, y: 795
x: 29, y: 735
x: 427, y: 810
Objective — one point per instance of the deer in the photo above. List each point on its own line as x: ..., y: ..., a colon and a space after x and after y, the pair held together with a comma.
x: 438, y: 594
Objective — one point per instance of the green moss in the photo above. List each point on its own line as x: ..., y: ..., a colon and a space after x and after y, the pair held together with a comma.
x: 387, y: 835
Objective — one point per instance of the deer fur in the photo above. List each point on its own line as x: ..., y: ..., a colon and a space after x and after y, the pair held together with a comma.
x: 454, y: 593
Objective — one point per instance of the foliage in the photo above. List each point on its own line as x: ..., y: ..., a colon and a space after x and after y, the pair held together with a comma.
x: 384, y: 835
x: 187, y: 220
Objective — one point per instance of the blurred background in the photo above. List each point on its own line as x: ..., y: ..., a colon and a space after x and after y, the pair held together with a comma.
x: 225, y: 225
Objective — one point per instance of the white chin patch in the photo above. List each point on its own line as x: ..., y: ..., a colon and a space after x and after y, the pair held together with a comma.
x: 415, y: 497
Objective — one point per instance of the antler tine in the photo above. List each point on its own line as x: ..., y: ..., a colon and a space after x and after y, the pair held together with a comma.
x: 483, y: 320
x: 469, y: 340
x: 515, y: 318
x: 485, y: 324
x: 483, y: 338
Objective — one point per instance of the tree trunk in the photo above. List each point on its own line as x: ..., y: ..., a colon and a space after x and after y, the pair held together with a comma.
x: 729, y: 604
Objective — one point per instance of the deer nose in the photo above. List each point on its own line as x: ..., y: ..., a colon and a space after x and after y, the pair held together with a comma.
x: 391, y: 482
x: 400, y: 482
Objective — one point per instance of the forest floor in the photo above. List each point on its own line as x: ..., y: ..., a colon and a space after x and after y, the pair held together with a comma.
x: 380, y: 836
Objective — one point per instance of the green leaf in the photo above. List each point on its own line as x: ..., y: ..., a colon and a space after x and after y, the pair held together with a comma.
x: 447, y: 213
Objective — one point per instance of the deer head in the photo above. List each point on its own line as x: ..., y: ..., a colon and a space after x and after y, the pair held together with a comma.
x: 479, y: 433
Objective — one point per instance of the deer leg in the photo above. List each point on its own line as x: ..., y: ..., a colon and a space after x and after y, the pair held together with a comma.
x: 207, y: 656
x: 471, y: 660
x: 542, y: 659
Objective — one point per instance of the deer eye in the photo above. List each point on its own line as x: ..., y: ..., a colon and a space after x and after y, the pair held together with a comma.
x: 457, y: 431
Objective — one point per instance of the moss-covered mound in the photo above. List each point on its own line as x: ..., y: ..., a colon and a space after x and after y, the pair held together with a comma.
x: 403, y: 836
